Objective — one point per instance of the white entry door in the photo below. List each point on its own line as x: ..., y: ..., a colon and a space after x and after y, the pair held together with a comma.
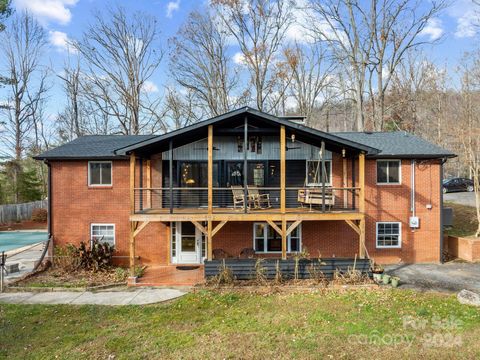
x: 190, y: 242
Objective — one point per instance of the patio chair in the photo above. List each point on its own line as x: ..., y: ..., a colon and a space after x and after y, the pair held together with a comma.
x: 220, y: 254
x: 239, y: 198
x: 247, y: 253
x: 260, y: 201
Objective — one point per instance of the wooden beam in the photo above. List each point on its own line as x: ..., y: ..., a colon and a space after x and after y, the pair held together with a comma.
x: 344, y: 182
x: 353, y: 226
x: 169, y: 243
x: 218, y: 227
x: 245, y: 165
x: 210, y: 169
x: 362, y: 249
x: 209, y: 240
x: 361, y: 181
x: 148, y: 183
x: 308, y: 216
x: 132, y: 183
x: 324, y: 175
x: 284, y: 239
x: 133, y: 227
x: 275, y: 227
x: 140, y: 228
x: 293, y: 226
x: 283, y: 146
x: 200, y: 227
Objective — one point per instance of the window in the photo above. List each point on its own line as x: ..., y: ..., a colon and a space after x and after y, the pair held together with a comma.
x: 266, y: 239
x: 173, y: 232
x: 314, y: 172
x: 388, y: 171
x: 99, y: 173
x: 104, y: 233
x: 389, y: 234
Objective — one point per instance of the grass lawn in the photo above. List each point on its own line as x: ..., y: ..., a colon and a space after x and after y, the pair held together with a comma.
x: 464, y: 220
x: 356, y: 324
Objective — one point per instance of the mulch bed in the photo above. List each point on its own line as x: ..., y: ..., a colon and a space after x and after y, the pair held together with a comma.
x: 57, y: 277
x: 24, y: 225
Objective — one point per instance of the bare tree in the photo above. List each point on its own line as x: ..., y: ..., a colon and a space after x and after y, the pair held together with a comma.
x: 200, y: 63
x: 179, y: 110
x: 23, y: 43
x: 71, y: 123
x: 121, y: 53
x: 312, y: 79
x: 468, y: 123
x: 259, y: 27
x: 372, y: 40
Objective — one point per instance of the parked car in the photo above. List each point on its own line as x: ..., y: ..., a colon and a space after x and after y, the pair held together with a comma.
x: 457, y: 184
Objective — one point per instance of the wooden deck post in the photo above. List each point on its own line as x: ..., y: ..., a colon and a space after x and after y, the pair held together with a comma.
x: 132, y: 183
x: 345, y: 179
x: 133, y: 227
x: 361, y: 181
x: 324, y: 175
x: 209, y: 240
x: 210, y: 169
x: 284, y: 239
x: 170, y: 174
x: 148, y: 184
x: 245, y: 165
x: 283, y: 146
x: 362, y: 245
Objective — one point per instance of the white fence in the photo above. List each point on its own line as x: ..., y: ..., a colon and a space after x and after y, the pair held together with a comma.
x: 18, y: 212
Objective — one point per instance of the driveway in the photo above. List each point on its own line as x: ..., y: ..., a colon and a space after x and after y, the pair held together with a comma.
x: 462, y: 198
x: 449, y: 277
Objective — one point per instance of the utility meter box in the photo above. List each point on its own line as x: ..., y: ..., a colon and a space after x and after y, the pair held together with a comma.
x: 414, y: 222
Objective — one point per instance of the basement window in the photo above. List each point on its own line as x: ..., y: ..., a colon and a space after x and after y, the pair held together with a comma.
x: 103, y: 233
x: 99, y: 173
x: 389, y: 234
x: 267, y: 240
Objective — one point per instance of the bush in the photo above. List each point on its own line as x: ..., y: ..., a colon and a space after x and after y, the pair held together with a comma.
x: 39, y: 215
x: 66, y: 257
x: 97, y: 257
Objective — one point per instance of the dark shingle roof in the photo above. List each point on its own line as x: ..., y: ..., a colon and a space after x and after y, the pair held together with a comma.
x: 397, y: 144
x: 92, y: 147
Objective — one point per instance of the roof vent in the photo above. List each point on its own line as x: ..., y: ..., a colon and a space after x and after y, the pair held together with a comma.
x: 298, y: 119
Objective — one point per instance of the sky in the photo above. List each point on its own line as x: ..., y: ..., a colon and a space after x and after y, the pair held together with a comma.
x: 65, y: 19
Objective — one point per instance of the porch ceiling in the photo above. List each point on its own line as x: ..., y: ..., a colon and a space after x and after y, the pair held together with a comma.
x: 258, y: 122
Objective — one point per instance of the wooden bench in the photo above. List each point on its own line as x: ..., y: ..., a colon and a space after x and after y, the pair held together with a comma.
x: 314, y: 196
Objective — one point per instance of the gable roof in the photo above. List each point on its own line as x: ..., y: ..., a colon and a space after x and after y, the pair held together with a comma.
x: 376, y: 144
x: 92, y: 147
x: 397, y: 144
x: 180, y: 135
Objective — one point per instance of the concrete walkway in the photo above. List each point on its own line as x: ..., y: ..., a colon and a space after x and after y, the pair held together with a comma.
x: 139, y: 296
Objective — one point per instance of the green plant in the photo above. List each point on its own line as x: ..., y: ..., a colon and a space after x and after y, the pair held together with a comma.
x: 97, y: 257
x: 139, y: 271
x: 121, y: 274
x: 66, y: 257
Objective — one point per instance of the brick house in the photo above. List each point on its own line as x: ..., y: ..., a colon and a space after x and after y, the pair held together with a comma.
x: 249, y: 182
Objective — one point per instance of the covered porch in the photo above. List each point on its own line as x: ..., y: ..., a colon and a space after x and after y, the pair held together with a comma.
x: 252, y: 171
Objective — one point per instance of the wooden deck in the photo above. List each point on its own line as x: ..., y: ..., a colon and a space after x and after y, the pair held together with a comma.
x: 230, y: 214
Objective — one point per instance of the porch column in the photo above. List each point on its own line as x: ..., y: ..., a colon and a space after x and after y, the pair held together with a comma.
x: 148, y: 180
x: 284, y: 238
x: 209, y: 240
x: 345, y: 179
x: 132, y: 211
x: 210, y: 169
x: 245, y: 164
x: 361, y: 250
x: 170, y: 174
x: 361, y: 182
x: 283, y: 146
x: 324, y: 175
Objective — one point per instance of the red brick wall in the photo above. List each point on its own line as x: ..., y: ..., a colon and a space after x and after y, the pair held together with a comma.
x: 75, y: 206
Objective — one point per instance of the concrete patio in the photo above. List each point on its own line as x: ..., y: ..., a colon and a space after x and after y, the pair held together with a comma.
x: 137, y: 296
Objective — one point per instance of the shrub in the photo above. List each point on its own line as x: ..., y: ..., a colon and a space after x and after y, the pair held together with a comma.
x: 66, y: 257
x: 39, y: 215
x: 97, y: 257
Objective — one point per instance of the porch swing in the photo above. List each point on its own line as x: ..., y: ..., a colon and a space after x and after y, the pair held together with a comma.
x: 317, y: 195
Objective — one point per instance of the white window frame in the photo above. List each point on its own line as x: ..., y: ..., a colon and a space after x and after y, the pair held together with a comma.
x: 103, y: 224
x: 265, y: 239
x: 399, y: 235
x: 399, y: 172
x: 329, y: 179
x: 100, y: 162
